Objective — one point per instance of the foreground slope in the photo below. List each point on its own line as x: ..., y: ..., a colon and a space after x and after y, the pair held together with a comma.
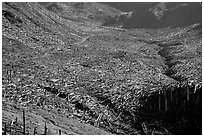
x: 59, y: 60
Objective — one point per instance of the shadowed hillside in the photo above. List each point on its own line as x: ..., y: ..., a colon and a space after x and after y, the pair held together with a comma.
x: 160, y: 15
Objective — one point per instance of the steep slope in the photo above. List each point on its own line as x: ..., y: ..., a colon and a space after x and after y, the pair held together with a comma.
x: 60, y: 64
x: 31, y: 35
x: 81, y: 12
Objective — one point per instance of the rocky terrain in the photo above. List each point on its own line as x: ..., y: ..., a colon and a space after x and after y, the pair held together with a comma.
x: 70, y: 74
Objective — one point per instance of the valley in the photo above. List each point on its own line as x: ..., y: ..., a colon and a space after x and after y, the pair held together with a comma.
x: 66, y: 70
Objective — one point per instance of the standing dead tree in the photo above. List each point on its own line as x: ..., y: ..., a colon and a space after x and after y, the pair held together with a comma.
x: 45, y: 129
x: 5, y: 129
x: 24, y: 127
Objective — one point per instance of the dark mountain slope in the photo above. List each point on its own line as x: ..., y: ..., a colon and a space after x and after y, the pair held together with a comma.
x: 160, y: 15
x: 131, y: 6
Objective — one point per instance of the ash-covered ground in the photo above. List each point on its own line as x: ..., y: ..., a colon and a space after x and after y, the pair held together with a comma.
x: 70, y: 74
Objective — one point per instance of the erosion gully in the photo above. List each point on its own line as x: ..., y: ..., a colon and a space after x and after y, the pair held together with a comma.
x: 184, y: 115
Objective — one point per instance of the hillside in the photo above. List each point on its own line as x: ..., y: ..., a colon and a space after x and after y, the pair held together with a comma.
x: 63, y: 68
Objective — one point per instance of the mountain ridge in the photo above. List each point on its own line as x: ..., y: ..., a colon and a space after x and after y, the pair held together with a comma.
x: 161, y: 15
